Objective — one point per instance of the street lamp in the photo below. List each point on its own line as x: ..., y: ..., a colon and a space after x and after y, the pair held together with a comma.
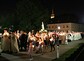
x: 58, y: 27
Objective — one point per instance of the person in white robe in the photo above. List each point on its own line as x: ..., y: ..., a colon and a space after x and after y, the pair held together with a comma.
x: 5, y: 41
x: 14, y: 43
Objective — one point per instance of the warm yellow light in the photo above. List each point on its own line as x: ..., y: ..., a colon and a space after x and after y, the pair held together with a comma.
x: 58, y: 27
x: 52, y: 16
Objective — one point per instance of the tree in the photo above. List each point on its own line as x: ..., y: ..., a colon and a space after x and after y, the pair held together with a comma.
x: 30, y: 14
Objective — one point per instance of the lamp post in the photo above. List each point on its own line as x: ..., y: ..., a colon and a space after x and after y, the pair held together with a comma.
x: 57, y: 46
x: 57, y: 51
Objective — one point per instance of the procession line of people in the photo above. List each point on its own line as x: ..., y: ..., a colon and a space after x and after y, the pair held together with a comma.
x: 38, y: 42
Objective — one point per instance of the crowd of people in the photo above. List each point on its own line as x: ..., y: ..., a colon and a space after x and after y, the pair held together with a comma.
x: 20, y: 41
x: 16, y: 41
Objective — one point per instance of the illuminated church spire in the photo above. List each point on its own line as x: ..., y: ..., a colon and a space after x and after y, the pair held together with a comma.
x: 52, y: 14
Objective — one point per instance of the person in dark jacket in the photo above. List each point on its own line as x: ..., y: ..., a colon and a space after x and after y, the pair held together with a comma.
x: 23, y: 40
x: 52, y: 43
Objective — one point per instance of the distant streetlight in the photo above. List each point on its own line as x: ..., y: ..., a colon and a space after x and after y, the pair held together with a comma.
x: 59, y: 27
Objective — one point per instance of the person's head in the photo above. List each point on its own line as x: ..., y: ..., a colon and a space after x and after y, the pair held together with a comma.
x: 57, y: 36
x: 21, y: 31
x: 17, y: 31
x: 5, y: 30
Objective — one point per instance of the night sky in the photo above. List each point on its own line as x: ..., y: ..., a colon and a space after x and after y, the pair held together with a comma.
x: 75, y: 7
x: 6, y: 6
x: 62, y: 6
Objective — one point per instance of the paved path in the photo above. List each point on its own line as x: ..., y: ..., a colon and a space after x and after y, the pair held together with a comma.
x: 48, y: 56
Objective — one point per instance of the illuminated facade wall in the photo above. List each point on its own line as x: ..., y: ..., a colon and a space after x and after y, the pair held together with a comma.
x: 65, y: 27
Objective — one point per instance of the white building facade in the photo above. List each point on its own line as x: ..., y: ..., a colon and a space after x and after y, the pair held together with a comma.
x: 65, y: 27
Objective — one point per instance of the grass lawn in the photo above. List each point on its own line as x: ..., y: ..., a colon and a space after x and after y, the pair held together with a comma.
x: 67, y: 54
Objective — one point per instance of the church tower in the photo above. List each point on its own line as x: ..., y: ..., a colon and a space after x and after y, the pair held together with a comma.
x: 52, y: 14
